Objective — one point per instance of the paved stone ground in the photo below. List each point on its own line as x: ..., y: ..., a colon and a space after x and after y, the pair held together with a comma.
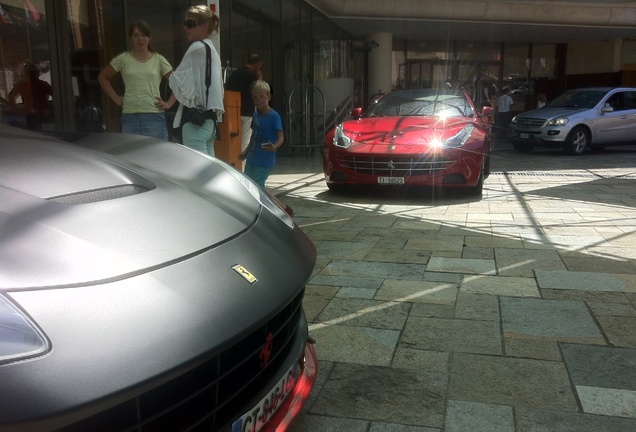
x: 442, y: 312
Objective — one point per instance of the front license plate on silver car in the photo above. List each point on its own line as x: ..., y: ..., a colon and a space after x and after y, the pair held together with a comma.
x: 390, y: 180
x: 254, y: 419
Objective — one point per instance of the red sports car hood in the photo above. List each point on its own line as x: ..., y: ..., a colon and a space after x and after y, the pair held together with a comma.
x: 414, y: 131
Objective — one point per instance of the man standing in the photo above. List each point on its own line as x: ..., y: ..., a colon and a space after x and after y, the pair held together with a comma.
x: 241, y: 80
x: 503, y: 111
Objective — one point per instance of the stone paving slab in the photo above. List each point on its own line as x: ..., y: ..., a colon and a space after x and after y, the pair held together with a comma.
x: 362, y: 345
x: 511, y: 381
x: 545, y: 420
x: 460, y: 265
x: 374, y: 270
x: 523, y: 262
x: 365, y: 313
x: 384, y: 395
x: 528, y: 317
x: 452, y: 335
x: 504, y: 286
x: 464, y: 416
x: 609, y: 402
x: 621, y: 331
x: 586, y: 281
x: 417, y: 291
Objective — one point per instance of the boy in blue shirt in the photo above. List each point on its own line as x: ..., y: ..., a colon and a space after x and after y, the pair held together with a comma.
x: 267, y: 136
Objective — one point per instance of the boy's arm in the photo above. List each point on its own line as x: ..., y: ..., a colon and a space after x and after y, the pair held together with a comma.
x: 280, y: 139
x: 275, y: 145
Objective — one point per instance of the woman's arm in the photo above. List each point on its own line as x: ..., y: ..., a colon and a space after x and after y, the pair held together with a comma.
x: 104, y: 81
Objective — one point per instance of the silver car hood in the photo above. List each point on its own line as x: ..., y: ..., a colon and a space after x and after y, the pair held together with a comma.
x: 99, y: 211
x: 548, y: 112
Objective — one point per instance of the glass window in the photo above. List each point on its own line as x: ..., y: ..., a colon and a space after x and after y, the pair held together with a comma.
x: 543, y: 62
x: 476, y: 51
x: 26, y: 93
x: 516, y: 64
x: 428, y: 50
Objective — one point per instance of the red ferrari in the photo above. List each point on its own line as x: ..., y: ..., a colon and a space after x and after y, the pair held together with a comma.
x: 412, y: 137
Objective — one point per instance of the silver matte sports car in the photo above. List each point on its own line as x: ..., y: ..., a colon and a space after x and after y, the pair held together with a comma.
x: 145, y: 287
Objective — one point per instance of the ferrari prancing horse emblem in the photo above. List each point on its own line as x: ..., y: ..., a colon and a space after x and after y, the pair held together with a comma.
x: 245, y: 273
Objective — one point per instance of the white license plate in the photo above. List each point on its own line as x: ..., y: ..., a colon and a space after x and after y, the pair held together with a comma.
x: 254, y: 419
x: 390, y: 180
x: 524, y: 135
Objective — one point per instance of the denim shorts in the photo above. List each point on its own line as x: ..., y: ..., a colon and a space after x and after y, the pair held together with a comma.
x: 148, y: 124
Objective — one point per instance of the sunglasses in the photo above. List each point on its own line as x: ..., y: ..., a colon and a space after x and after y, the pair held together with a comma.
x: 190, y: 23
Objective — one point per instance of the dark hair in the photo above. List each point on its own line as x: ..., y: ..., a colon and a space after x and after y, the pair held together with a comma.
x: 254, y: 59
x: 143, y: 27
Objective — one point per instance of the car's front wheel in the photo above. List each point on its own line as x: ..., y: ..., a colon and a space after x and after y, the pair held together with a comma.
x: 577, y: 141
x: 478, y: 189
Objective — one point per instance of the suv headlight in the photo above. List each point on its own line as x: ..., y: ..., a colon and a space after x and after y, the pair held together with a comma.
x: 559, y: 121
x: 19, y: 338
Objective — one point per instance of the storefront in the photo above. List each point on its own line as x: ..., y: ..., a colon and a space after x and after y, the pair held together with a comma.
x: 315, y: 68
x: 68, y: 42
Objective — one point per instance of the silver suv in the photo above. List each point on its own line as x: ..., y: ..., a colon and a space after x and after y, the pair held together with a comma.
x: 577, y: 120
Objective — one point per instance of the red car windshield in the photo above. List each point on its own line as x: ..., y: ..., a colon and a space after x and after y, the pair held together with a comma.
x: 421, y: 103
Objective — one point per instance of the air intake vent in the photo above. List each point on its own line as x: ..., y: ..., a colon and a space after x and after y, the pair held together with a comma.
x: 100, y: 194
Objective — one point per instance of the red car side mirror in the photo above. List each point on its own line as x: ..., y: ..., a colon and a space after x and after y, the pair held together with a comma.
x: 356, y: 113
x: 487, y: 112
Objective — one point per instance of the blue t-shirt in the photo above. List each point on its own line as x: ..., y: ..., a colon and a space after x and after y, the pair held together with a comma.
x: 265, y: 128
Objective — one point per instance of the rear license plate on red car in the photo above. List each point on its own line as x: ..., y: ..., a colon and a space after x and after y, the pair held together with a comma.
x: 390, y: 180
x: 254, y: 419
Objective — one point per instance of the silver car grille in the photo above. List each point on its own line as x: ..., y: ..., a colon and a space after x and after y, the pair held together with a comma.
x: 209, y: 396
x: 400, y: 166
x: 530, y: 122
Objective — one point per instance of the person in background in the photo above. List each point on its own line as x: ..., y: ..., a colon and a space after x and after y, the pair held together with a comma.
x: 241, y: 80
x: 541, y: 100
x: 142, y: 70
x: 35, y: 94
x: 188, y: 82
x: 504, y: 103
x: 267, y: 135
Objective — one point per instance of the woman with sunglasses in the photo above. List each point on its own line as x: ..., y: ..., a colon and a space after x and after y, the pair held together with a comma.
x: 188, y: 82
x: 141, y: 70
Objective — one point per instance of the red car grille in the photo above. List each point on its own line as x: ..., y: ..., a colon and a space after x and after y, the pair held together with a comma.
x: 401, y: 166
x: 210, y: 395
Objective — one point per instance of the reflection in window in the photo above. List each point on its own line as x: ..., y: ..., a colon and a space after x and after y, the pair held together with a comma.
x: 26, y: 95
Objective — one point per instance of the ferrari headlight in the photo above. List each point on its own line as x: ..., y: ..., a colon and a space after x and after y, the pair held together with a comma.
x: 19, y: 338
x: 340, y: 139
x: 559, y: 121
x: 457, y: 140
x: 264, y: 198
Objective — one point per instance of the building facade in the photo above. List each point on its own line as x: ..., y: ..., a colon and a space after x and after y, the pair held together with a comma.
x: 320, y: 60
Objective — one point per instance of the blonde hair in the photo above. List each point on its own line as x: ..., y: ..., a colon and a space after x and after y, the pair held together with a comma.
x: 203, y: 14
x: 260, y: 86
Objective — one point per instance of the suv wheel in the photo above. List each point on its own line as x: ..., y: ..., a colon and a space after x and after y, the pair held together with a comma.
x: 577, y: 141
